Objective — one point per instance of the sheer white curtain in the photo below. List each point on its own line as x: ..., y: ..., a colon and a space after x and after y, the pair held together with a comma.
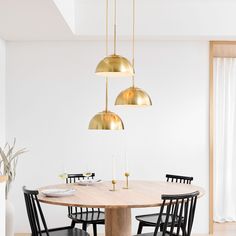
x: 225, y: 140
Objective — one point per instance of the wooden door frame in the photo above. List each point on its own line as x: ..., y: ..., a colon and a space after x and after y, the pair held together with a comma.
x: 214, y: 51
x: 211, y: 127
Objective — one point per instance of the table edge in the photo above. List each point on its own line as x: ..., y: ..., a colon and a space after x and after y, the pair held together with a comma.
x: 202, y: 193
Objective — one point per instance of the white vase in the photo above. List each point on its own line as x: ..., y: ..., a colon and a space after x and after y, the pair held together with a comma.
x: 10, y: 212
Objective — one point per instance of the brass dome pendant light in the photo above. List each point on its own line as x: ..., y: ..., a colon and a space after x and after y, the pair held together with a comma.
x: 133, y: 96
x: 106, y: 120
x: 115, y: 65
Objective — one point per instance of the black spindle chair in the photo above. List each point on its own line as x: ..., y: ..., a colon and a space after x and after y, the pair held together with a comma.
x: 176, y: 213
x: 84, y: 216
x: 151, y: 219
x: 37, y: 221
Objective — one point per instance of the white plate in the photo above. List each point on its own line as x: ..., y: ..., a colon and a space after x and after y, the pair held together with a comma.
x: 86, y: 182
x: 58, y: 192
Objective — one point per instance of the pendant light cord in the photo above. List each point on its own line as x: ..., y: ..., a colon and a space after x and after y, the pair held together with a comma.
x: 114, y: 27
x: 106, y: 107
x: 133, y: 46
x: 107, y: 27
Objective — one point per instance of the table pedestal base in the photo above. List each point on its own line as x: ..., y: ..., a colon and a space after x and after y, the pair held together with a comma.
x: 118, y: 221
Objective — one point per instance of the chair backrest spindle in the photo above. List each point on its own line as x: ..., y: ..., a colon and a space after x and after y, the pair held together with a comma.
x: 179, y: 179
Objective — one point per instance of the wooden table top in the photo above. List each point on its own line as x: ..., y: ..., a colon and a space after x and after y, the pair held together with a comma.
x: 141, y: 194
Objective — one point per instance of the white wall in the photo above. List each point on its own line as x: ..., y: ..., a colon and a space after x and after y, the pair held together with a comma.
x: 2, y: 90
x: 2, y: 128
x: 52, y: 93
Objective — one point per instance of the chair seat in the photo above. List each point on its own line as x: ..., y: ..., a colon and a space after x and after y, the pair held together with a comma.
x: 97, y: 217
x: 151, y: 219
x: 67, y: 232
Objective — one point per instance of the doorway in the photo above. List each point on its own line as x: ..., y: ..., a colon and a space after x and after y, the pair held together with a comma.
x: 222, y: 54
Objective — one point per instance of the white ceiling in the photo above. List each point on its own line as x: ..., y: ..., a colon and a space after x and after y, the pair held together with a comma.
x: 85, y: 19
x: 32, y: 20
x: 161, y: 18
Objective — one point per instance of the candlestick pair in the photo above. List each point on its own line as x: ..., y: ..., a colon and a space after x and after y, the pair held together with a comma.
x: 126, y: 182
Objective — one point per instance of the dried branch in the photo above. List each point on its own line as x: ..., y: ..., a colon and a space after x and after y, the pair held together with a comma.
x: 8, y: 162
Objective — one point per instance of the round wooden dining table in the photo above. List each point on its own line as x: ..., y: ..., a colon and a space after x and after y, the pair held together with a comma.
x: 118, y: 203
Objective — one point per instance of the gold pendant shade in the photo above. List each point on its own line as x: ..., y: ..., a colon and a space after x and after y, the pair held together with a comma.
x: 106, y: 120
x: 114, y: 66
x: 133, y: 96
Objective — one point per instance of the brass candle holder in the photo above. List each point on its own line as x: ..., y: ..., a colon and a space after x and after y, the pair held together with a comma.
x: 126, y: 180
x: 113, y: 185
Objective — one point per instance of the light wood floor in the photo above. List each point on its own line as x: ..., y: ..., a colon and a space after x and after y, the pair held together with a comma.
x: 226, y: 229
x: 22, y: 234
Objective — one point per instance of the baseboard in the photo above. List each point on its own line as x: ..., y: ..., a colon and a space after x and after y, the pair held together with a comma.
x: 22, y: 234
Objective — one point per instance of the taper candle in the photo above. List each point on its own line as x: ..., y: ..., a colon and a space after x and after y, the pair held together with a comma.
x: 113, y: 168
x: 126, y: 163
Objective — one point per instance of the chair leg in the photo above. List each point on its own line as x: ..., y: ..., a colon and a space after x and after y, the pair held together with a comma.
x: 183, y: 230
x: 72, y: 224
x: 84, y: 227
x: 140, y: 228
x: 94, y: 229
